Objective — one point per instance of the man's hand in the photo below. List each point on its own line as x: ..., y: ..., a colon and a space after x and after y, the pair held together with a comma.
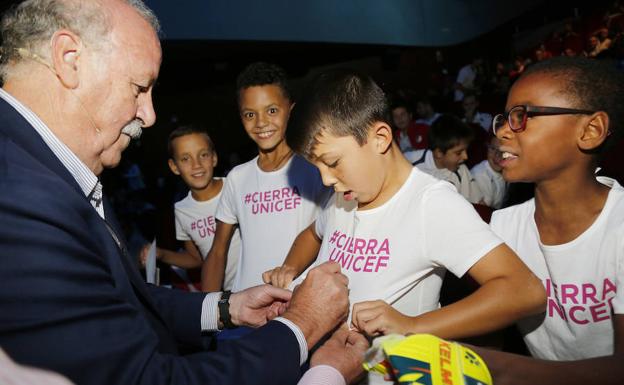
x: 378, y: 318
x: 320, y: 302
x: 344, y: 351
x: 257, y: 305
x: 280, y: 276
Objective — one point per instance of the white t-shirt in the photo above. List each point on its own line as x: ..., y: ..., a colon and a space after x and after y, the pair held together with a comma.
x: 271, y: 209
x: 584, y: 279
x: 398, y: 252
x: 491, y: 183
x: 466, y: 77
x: 195, y: 221
x: 462, y: 179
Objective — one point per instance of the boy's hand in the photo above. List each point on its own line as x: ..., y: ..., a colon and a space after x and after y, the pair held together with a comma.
x: 145, y: 250
x: 378, y: 318
x: 280, y: 276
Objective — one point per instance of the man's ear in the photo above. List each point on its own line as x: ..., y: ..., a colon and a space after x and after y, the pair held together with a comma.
x: 437, y: 153
x: 215, y: 159
x: 595, y: 131
x: 66, y: 48
x: 173, y: 167
x: 381, y: 135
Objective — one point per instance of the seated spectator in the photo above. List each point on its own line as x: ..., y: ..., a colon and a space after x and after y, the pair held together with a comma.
x: 472, y: 115
x: 449, y: 138
x: 408, y: 135
x: 425, y: 112
x: 468, y: 78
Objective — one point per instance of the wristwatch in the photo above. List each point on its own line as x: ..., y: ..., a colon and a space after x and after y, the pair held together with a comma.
x: 224, y: 310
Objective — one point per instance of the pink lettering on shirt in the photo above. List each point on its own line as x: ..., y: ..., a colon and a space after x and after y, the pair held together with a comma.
x: 580, y: 303
x: 204, y: 227
x: 273, y: 201
x: 360, y: 255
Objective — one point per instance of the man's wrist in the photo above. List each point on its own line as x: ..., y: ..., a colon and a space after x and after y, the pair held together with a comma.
x: 225, y: 318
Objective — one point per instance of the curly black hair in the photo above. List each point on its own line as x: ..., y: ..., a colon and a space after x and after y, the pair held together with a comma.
x: 262, y: 74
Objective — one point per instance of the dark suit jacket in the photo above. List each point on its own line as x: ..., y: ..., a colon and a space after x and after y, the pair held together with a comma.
x: 72, y: 302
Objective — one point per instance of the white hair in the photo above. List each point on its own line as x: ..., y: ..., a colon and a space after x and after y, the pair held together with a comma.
x: 30, y: 25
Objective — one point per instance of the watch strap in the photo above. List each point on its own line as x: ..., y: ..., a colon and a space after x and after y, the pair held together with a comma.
x: 224, y: 310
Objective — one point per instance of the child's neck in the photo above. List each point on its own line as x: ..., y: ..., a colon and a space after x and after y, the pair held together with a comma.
x: 210, y: 191
x: 567, y: 206
x: 276, y: 158
x: 397, y: 171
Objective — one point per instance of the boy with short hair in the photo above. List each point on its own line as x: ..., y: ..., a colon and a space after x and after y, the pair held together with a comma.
x: 407, y: 133
x: 272, y: 197
x: 449, y: 139
x: 394, y: 229
x: 561, y: 115
x: 193, y: 157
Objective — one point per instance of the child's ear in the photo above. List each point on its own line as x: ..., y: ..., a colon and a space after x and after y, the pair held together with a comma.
x: 595, y: 132
x: 437, y: 153
x: 65, y: 52
x: 215, y: 159
x: 382, y: 136
x: 173, y: 167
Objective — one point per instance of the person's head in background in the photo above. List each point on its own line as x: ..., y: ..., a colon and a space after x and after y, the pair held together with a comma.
x: 342, y: 125
x: 401, y: 115
x: 449, y: 139
x: 264, y: 102
x: 564, y: 113
x: 424, y: 108
x: 86, y: 68
x: 193, y: 157
x: 470, y: 104
x: 493, y: 154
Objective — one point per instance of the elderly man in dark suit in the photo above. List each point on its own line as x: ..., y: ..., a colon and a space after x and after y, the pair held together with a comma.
x: 78, y: 77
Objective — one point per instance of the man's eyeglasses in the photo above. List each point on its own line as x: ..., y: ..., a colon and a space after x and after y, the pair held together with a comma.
x: 517, y: 116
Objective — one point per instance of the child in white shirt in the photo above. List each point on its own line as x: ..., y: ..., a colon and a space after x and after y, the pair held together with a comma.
x: 192, y: 156
x: 394, y: 229
x: 560, y: 116
x: 449, y: 139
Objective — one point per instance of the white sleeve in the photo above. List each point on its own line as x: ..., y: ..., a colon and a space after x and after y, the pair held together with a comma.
x: 323, y: 217
x: 226, y: 209
x: 455, y: 236
x: 181, y: 235
x: 618, y: 300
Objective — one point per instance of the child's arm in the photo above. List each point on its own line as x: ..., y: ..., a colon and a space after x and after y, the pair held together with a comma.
x: 508, y: 291
x: 188, y: 259
x: 512, y: 369
x: 213, y: 268
x: 302, y: 253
